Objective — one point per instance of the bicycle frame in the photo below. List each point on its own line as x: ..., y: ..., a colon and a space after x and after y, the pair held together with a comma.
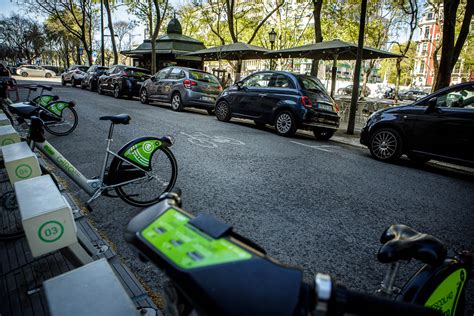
x: 93, y: 187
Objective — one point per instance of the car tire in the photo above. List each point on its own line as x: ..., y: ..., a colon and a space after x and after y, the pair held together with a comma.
x: 82, y: 85
x: 176, y: 102
x: 223, y: 112
x: 144, y: 96
x: 63, y: 82
x: 24, y: 74
x: 99, y: 89
x: 47, y: 75
x: 385, y: 144
x: 117, y: 93
x: 417, y: 159
x: 323, y: 133
x: 73, y: 82
x: 285, y: 124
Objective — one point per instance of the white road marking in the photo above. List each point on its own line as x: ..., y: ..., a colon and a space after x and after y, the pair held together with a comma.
x: 322, y: 148
x: 203, y: 140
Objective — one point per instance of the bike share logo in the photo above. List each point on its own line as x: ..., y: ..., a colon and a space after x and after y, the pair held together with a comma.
x: 49, y: 150
x: 23, y: 171
x: 7, y: 141
x: 141, y: 152
x: 50, y: 231
x: 58, y: 108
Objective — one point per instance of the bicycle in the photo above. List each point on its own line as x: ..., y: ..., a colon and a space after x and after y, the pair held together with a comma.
x: 139, y: 172
x: 60, y: 117
x: 215, y: 271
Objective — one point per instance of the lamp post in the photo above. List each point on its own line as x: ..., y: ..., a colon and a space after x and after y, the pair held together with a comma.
x: 272, y: 36
x: 102, y: 50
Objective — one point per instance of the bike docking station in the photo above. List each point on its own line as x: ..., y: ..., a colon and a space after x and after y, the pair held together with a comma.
x: 8, y: 136
x: 4, y: 120
x: 48, y: 220
x: 20, y: 161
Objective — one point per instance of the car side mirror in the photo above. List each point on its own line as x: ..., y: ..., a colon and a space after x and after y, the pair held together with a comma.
x: 431, y: 103
x: 239, y: 84
x: 153, y: 78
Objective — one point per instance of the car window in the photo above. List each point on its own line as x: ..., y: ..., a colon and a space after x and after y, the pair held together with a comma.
x: 313, y: 84
x: 463, y: 98
x: 203, y: 76
x: 136, y: 72
x: 260, y: 80
x: 176, y: 73
x: 162, y: 73
x: 280, y: 81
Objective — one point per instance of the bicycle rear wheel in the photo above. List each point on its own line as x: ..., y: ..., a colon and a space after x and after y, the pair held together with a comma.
x: 146, y: 190
x: 11, y: 227
x: 67, y: 124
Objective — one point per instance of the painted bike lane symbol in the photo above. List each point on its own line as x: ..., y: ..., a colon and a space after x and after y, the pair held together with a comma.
x: 207, y: 141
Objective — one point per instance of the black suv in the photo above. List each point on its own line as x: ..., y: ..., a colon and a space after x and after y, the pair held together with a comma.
x: 121, y: 79
x: 288, y: 101
x: 439, y: 126
x: 92, y: 76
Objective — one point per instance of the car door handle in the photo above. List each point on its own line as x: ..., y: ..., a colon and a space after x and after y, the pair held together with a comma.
x: 262, y: 95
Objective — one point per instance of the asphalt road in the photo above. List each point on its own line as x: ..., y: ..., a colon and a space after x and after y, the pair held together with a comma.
x: 318, y: 205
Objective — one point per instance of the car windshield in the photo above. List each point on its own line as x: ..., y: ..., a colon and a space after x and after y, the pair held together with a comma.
x: 137, y: 72
x: 311, y: 83
x: 83, y: 68
x: 203, y: 76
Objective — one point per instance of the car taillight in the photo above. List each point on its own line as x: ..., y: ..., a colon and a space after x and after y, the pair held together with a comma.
x: 336, y: 108
x: 306, y: 102
x: 219, y: 88
x: 125, y: 74
x: 189, y: 83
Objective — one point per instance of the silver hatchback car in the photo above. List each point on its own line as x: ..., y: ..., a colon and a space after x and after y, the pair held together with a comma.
x: 34, y: 71
x: 183, y: 87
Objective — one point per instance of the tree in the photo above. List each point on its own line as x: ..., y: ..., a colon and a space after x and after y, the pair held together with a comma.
x: 121, y: 29
x: 451, y: 47
x: 107, y: 4
x: 158, y: 20
x: 74, y: 15
x: 318, y: 33
x: 24, y: 37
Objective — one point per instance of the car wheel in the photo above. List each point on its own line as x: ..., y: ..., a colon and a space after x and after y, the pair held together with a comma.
x: 24, y: 74
x: 176, y: 103
x: 63, y: 82
x: 144, y: 96
x: 419, y: 160
x: 83, y: 86
x: 117, y: 93
x: 210, y: 111
x: 99, y: 89
x: 223, y: 111
x: 385, y: 144
x: 47, y: 75
x: 323, y: 133
x: 73, y: 82
x: 285, y: 124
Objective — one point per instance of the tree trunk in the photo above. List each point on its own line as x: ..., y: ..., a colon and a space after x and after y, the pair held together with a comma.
x: 154, y: 36
x: 318, y: 34
x: 397, y: 80
x: 111, y: 29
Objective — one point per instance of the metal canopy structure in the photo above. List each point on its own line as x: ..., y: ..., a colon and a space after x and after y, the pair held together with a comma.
x: 235, y: 51
x: 327, y: 50
x: 331, y: 50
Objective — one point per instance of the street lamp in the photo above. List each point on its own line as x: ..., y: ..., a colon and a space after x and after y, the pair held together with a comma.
x: 272, y: 36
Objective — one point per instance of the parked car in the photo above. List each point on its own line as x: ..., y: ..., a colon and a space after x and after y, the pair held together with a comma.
x: 74, y: 75
x: 92, y: 77
x: 34, y: 71
x: 440, y: 126
x: 57, y: 70
x: 122, y: 80
x: 288, y: 101
x: 413, y: 95
x: 182, y: 87
x: 348, y: 90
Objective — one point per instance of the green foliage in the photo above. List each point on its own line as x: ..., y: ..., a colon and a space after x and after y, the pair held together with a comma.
x: 387, y: 66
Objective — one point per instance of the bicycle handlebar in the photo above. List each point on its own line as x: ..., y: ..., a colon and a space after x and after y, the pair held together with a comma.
x: 222, y: 273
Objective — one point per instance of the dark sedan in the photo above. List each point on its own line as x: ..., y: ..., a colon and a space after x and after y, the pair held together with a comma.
x: 92, y: 77
x: 413, y: 95
x: 122, y: 80
x: 288, y: 101
x: 439, y: 126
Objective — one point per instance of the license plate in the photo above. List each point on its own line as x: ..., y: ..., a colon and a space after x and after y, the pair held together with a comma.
x: 325, y: 106
x: 207, y: 99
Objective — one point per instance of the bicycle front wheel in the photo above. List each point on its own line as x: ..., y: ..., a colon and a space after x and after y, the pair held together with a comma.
x: 67, y: 124
x: 147, y: 188
x: 11, y: 227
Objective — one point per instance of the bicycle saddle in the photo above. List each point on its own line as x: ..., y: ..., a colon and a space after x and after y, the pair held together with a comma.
x: 401, y: 242
x: 48, y: 88
x: 117, y: 119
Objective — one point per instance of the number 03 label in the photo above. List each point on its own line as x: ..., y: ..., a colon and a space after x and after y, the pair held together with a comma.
x: 50, y: 231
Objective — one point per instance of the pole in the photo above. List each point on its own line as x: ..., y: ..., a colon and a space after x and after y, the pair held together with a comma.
x: 271, y: 59
x: 102, y: 53
x: 334, y: 75
x: 355, y: 87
